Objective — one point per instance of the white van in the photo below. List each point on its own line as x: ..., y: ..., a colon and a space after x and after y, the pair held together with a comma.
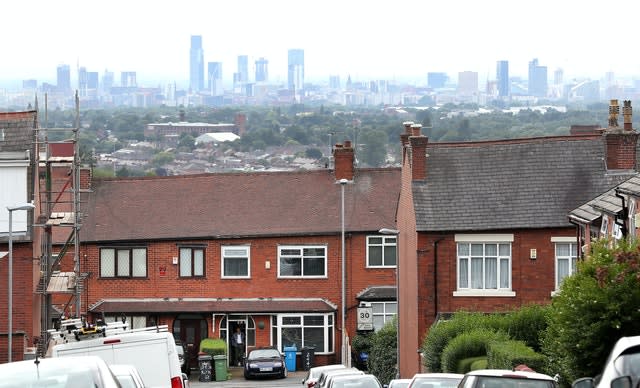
x: 154, y: 354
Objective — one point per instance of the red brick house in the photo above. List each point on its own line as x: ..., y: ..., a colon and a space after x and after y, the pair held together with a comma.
x: 17, y: 187
x: 484, y: 226
x: 208, y: 253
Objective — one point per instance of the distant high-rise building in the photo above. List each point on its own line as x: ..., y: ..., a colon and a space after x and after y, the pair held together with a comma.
x: 436, y: 80
x: 262, y: 70
x: 243, y: 69
x: 64, y: 78
x: 468, y: 82
x: 295, y: 70
x: 92, y: 80
x: 558, y: 77
x: 214, y: 71
x: 502, y: 78
x: 196, y: 64
x: 82, y: 81
x: 107, y: 80
x: 128, y: 79
x: 29, y: 84
x: 334, y: 82
x: 537, y: 79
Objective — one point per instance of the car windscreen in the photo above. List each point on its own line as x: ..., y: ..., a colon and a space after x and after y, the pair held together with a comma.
x: 264, y: 353
x: 512, y: 382
x: 628, y: 364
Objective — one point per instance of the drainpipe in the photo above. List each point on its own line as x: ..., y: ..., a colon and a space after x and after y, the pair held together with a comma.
x: 435, y: 275
x: 625, y: 214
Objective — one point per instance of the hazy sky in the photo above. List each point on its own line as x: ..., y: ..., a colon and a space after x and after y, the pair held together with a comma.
x: 397, y: 39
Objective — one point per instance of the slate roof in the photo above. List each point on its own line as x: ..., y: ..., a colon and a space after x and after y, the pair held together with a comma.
x: 375, y: 293
x: 523, y: 183
x: 229, y: 205
x: 607, y: 202
x: 213, y: 305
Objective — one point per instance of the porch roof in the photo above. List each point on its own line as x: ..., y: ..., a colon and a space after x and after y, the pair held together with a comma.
x: 213, y: 305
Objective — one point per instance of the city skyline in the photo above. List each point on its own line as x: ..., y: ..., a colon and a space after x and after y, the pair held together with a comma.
x: 403, y: 40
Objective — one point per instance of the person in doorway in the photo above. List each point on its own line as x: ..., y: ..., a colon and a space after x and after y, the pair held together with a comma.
x: 237, y: 341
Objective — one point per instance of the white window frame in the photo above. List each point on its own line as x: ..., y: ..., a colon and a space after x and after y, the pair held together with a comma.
x: 227, y: 252
x: 328, y: 327
x: 386, y: 316
x: 116, y: 251
x: 572, y: 259
x: 301, y: 248
x: 387, y: 241
x: 485, y: 239
x: 192, y: 249
x: 604, y: 227
x: 631, y: 233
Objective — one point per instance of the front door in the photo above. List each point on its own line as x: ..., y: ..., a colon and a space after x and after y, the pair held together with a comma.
x: 192, y: 331
x: 237, y: 342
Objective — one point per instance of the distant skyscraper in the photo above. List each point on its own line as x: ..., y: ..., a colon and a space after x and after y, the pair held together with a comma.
x: 334, y: 82
x: 262, y: 70
x: 128, y: 79
x: 107, y: 81
x: 92, y: 80
x: 502, y: 78
x: 82, y: 81
x: 64, y: 78
x: 436, y: 80
x: 196, y: 64
x: 558, y: 77
x: 214, y: 71
x: 243, y: 69
x: 467, y: 82
x: 295, y: 70
x: 537, y: 79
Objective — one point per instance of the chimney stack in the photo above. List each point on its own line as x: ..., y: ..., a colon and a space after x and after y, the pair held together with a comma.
x: 626, y: 114
x: 343, y: 158
x: 418, y: 153
x: 620, y: 143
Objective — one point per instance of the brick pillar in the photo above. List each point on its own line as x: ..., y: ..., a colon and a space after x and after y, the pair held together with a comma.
x: 418, y: 151
x: 343, y: 158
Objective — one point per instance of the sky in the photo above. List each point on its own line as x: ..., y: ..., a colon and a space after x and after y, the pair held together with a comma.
x: 373, y: 39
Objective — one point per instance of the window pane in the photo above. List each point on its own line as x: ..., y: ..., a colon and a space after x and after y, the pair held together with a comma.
x: 314, y: 337
x: 314, y: 251
x: 390, y: 255
x: 198, y: 262
x: 391, y: 308
x: 477, y: 250
x: 107, y: 263
x: 375, y: 240
x: 235, y: 267
x: 290, y: 320
x: 138, y: 322
x: 491, y: 273
x: 292, y: 336
x: 491, y: 250
x: 139, y: 262
x: 505, y: 249
x: 290, y: 266
x: 313, y: 266
x: 185, y: 262
x: 463, y: 272
x: 290, y: 252
x: 504, y: 273
x: 123, y: 263
x: 562, y: 249
x: 563, y: 270
x: 378, y: 322
x: 377, y: 308
x: 314, y: 320
x: 375, y: 255
x: 463, y: 249
x: 476, y: 272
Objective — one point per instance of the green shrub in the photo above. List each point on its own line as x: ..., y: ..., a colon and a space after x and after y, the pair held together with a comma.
x: 527, y: 324
x: 479, y: 364
x: 213, y: 346
x: 465, y: 365
x: 382, y: 360
x: 470, y: 344
x: 509, y: 354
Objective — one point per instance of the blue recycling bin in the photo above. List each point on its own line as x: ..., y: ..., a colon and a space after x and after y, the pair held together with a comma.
x: 290, y: 357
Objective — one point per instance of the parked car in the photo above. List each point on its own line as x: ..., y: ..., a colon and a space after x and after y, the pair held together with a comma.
x: 127, y: 375
x: 326, y: 376
x: 435, y: 380
x: 504, y: 377
x: 624, y: 360
x: 354, y: 381
x: 312, y: 376
x: 264, y: 362
x: 398, y: 383
x: 69, y: 372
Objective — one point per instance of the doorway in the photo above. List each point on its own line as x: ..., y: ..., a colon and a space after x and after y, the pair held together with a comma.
x: 230, y: 327
x: 190, y: 329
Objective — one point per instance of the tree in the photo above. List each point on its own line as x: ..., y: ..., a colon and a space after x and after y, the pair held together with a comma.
x: 374, y: 152
x: 594, y: 307
x: 383, y: 356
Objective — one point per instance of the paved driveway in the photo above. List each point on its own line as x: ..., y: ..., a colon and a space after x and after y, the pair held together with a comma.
x: 238, y: 381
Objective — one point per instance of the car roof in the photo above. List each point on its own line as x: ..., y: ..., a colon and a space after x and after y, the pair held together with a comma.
x: 347, y: 377
x: 509, y: 373
x: 439, y: 375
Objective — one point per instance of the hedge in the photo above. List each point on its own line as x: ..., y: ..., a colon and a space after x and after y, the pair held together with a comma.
x: 509, y: 354
x: 471, y: 344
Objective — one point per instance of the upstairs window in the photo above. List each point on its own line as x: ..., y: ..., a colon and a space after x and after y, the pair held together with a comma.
x: 381, y: 251
x: 235, y: 262
x: 302, y: 261
x: 123, y: 262
x: 192, y: 261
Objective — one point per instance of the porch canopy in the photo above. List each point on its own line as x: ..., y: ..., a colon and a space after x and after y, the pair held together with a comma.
x: 213, y: 305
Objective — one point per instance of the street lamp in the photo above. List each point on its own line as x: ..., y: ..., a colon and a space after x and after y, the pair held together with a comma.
x: 343, y: 182
x: 11, y: 209
x: 396, y: 232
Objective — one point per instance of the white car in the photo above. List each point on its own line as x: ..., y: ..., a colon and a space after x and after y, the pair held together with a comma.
x: 505, y: 377
x: 624, y: 360
x: 435, y: 380
x: 354, y: 381
x: 127, y: 375
x: 399, y: 383
x: 314, y: 374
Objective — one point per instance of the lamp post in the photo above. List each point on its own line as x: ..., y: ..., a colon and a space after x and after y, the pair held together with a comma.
x: 395, y: 233
x: 11, y: 209
x: 343, y: 183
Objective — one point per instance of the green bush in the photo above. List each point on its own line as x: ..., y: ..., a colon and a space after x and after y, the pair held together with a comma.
x: 466, y: 364
x: 383, y: 356
x: 481, y: 363
x: 213, y: 346
x: 509, y: 354
x: 594, y: 307
x: 470, y: 344
x: 527, y: 324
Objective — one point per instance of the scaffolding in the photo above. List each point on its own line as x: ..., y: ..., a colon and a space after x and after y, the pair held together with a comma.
x: 59, y: 187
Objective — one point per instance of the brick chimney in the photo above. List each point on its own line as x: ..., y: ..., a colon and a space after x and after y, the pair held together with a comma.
x: 417, y: 152
x: 404, y: 138
x: 343, y: 158
x: 620, y: 143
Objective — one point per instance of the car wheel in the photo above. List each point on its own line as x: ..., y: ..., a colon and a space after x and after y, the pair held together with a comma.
x: 284, y: 373
x: 247, y: 376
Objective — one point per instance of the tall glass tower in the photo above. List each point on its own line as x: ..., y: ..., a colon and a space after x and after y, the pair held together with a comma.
x: 262, y: 71
x: 215, y: 78
x: 537, y: 79
x: 502, y: 78
x: 196, y: 64
x: 64, y: 78
x: 295, y: 73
